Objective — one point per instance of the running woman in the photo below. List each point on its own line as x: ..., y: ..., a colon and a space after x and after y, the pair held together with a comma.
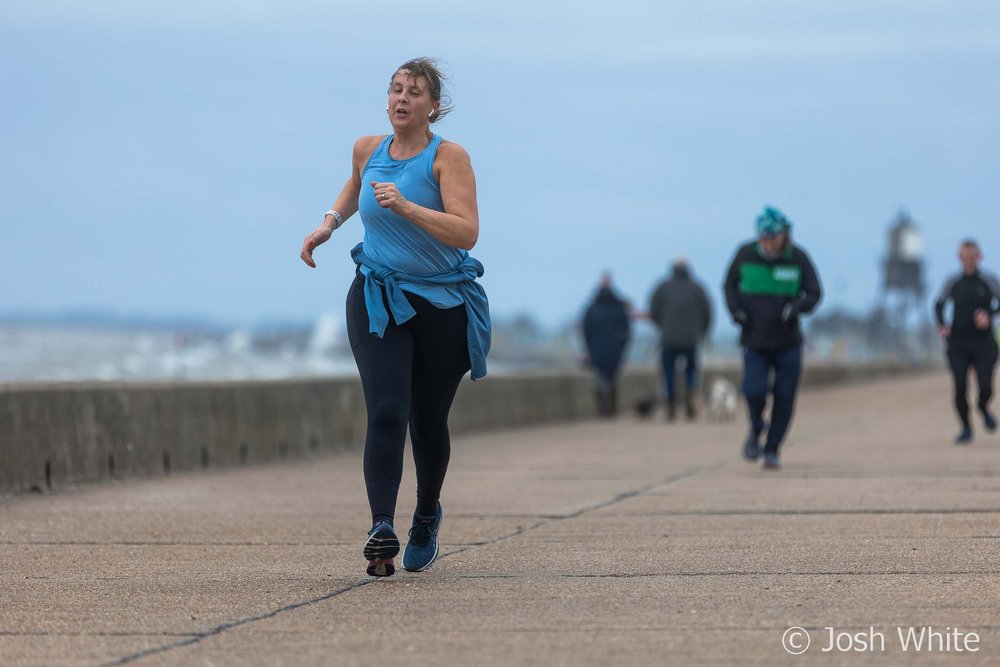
x: 417, y: 320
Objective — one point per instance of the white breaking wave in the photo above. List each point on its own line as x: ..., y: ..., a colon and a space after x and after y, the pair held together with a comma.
x: 30, y: 353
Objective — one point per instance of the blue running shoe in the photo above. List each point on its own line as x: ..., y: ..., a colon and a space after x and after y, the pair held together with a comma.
x: 751, y: 446
x: 380, y: 549
x: 989, y: 421
x: 422, y: 548
x: 965, y: 437
x: 771, y: 461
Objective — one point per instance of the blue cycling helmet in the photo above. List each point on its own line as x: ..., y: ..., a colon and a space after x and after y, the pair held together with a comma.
x: 772, y: 222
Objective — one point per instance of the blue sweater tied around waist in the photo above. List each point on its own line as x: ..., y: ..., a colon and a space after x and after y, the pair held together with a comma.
x: 462, y: 278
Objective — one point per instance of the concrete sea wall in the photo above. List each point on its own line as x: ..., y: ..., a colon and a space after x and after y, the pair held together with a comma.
x: 54, y: 436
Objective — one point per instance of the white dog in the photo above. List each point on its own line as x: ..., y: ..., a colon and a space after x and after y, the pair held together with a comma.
x: 721, y: 401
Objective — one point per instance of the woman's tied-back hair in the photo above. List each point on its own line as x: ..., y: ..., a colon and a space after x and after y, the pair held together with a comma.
x: 429, y: 70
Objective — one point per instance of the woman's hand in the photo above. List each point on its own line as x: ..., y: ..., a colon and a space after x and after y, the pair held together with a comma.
x: 458, y: 225
x: 389, y: 196
x: 316, y: 238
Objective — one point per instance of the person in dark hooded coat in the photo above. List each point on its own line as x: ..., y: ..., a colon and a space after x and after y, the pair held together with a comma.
x: 606, y: 330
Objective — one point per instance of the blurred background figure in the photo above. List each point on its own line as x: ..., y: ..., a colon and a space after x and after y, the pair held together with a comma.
x: 975, y: 299
x: 606, y: 332
x: 681, y: 310
x: 770, y: 282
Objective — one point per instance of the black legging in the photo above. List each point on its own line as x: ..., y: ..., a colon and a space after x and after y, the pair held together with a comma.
x: 981, y: 355
x: 409, y: 377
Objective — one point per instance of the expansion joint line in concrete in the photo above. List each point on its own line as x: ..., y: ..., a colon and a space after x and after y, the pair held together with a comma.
x: 625, y: 495
x: 197, y: 637
x: 219, y: 629
x: 830, y: 512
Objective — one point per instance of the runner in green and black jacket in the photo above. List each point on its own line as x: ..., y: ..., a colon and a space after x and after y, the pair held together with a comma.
x: 770, y: 283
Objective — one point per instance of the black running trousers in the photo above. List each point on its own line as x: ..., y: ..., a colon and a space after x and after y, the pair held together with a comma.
x: 981, y: 355
x: 409, y: 378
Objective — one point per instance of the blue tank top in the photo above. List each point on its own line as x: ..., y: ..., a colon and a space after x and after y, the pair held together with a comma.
x: 395, y: 242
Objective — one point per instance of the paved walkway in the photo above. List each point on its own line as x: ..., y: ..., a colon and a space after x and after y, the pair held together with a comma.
x: 597, y: 543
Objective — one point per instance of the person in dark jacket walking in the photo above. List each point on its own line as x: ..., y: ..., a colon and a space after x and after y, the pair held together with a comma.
x: 681, y: 310
x: 606, y: 331
x: 975, y: 298
x: 770, y: 283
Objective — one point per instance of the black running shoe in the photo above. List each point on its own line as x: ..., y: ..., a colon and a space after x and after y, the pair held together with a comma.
x: 380, y: 549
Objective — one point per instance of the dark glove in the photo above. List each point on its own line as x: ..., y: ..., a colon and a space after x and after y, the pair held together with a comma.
x: 789, y: 312
x: 740, y: 317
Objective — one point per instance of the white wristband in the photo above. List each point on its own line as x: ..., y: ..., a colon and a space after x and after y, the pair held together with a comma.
x: 336, y: 216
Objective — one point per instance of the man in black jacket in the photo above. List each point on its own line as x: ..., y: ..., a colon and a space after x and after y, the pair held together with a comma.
x: 975, y: 297
x: 681, y: 310
x: 770, y: 282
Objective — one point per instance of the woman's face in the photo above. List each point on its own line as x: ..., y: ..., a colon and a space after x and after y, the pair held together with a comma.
x: 410, y: 101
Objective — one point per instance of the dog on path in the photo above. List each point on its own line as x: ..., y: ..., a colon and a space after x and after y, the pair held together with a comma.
x: 721, y: 400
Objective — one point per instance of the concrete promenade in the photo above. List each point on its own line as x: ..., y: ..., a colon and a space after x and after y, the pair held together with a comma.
x: 596, y: 543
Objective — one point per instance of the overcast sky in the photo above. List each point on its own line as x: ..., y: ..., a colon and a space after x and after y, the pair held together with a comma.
x: 169, y: 158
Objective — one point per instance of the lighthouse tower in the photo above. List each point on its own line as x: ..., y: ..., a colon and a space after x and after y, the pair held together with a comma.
x: 903, y: 288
